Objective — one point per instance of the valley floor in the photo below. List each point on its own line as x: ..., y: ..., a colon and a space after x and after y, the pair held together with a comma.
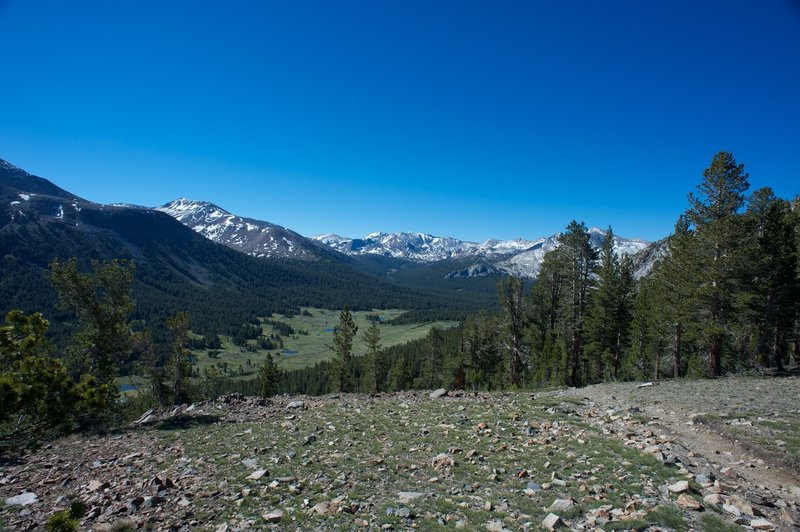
x: 611, y: 456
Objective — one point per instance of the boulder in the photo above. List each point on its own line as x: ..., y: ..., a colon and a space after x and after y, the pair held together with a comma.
x: 689, y: 502
x: 552, y: 522
x: 679, y: 487
x: 560, y: 505
x: 274, y: 516
x: 23, y: 499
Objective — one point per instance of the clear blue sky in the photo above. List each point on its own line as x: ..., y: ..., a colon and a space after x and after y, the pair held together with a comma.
x: 472, y: 119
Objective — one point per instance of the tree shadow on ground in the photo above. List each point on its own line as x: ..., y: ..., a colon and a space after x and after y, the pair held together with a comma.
x: 184, y: 422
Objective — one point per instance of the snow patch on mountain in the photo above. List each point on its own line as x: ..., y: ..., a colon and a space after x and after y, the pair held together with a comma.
x: 420, y: 247
x: 519, y: 256
x: 254, y: 237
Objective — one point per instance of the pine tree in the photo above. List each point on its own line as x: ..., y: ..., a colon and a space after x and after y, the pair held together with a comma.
x: 373, y: 362
x: 482, y: 350
x: 579, y: 259
x: 178, y: 326
x: 777, y: 282
x: 513, y: 326
x: 609, y: 312
x: 268, y: 377
x: 545, y: 316
x: 102, y: 302
x: 713, y: 213
x: 676, y: 291
x: 343, y: 336
x: 435, y: 355
x: 643, y: 352
x: 401, y: 373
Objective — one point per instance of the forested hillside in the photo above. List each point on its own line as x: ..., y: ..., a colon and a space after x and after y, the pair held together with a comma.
x: 177, y: 269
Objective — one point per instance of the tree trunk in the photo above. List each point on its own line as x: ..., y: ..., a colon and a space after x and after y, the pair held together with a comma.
x: 574, y: 358
x: 762, y: 354
x: 617, y: 355
x: 676, y: 350
x: 715, y: 356
x: 657, y: 363
x: 777, y: 349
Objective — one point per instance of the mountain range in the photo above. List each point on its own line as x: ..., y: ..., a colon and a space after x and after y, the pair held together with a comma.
x: 518, y: 257
x: 227, y: 269
x: 176, y: 268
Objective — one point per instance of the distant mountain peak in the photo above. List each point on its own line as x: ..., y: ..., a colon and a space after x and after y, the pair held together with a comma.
x: 518, y: 256
x: 254, y: 237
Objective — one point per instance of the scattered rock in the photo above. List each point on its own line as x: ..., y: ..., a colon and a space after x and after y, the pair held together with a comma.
x: 441, y: 392
x: 250, y: 463
x: 23, y: 499
x: 689, y: 502
x: 495, y: 526
x: 552, y: 522
x: 96, y: 485
x: 731, y: 509
x: 534, y: 487
x: 257, y: 474
x: 404, y: 497
x: 274, y: 516
x: 442, y: 461
x: 762, y: 524
x: 679, y: 487
x: 560, y: 505
x: 296, y: 405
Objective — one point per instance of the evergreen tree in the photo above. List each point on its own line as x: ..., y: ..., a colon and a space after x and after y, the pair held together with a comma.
x: 676, y: 291
x: 343, y: 335
x: 102, y: 302
x: 433, y: 367
x: 643, y: 353
x: 578, y: 259
x: 610, y: 310
x: 713, y: 212
x: 545, y: 315
x: 373, y: 363
x: 777, y: 283
x: 37, y: 397
x: 483, y: 351
x: 401, y: 373
x: 268, y: 377
x: 513, y: 325
x: 178, y: 326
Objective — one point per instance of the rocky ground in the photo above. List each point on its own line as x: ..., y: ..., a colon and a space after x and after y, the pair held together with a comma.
x: 677, y: 455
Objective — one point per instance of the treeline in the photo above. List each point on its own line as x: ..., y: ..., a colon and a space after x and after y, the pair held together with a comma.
x: 724, y: 297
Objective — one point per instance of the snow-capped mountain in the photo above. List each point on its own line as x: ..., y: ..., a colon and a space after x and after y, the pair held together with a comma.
x: 420, y: 247
x: 254, y: 237
x: 528, y: 263
x: 515, y: 257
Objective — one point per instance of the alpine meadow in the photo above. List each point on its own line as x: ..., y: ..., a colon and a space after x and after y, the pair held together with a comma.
x: 574, y: 303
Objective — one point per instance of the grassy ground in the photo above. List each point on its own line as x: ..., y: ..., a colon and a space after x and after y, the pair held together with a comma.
x: 301, y: 350
x: 490, y: 461
x: 367, y: 452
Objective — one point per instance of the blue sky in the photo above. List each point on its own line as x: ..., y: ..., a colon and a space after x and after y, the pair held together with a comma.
x: 464, y: 118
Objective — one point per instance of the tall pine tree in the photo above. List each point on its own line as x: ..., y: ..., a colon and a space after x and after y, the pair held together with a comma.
x: 714, y: 214
x: 343, y: 335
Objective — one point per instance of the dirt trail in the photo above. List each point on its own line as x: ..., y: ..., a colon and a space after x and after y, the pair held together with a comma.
x: 743, y: 430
